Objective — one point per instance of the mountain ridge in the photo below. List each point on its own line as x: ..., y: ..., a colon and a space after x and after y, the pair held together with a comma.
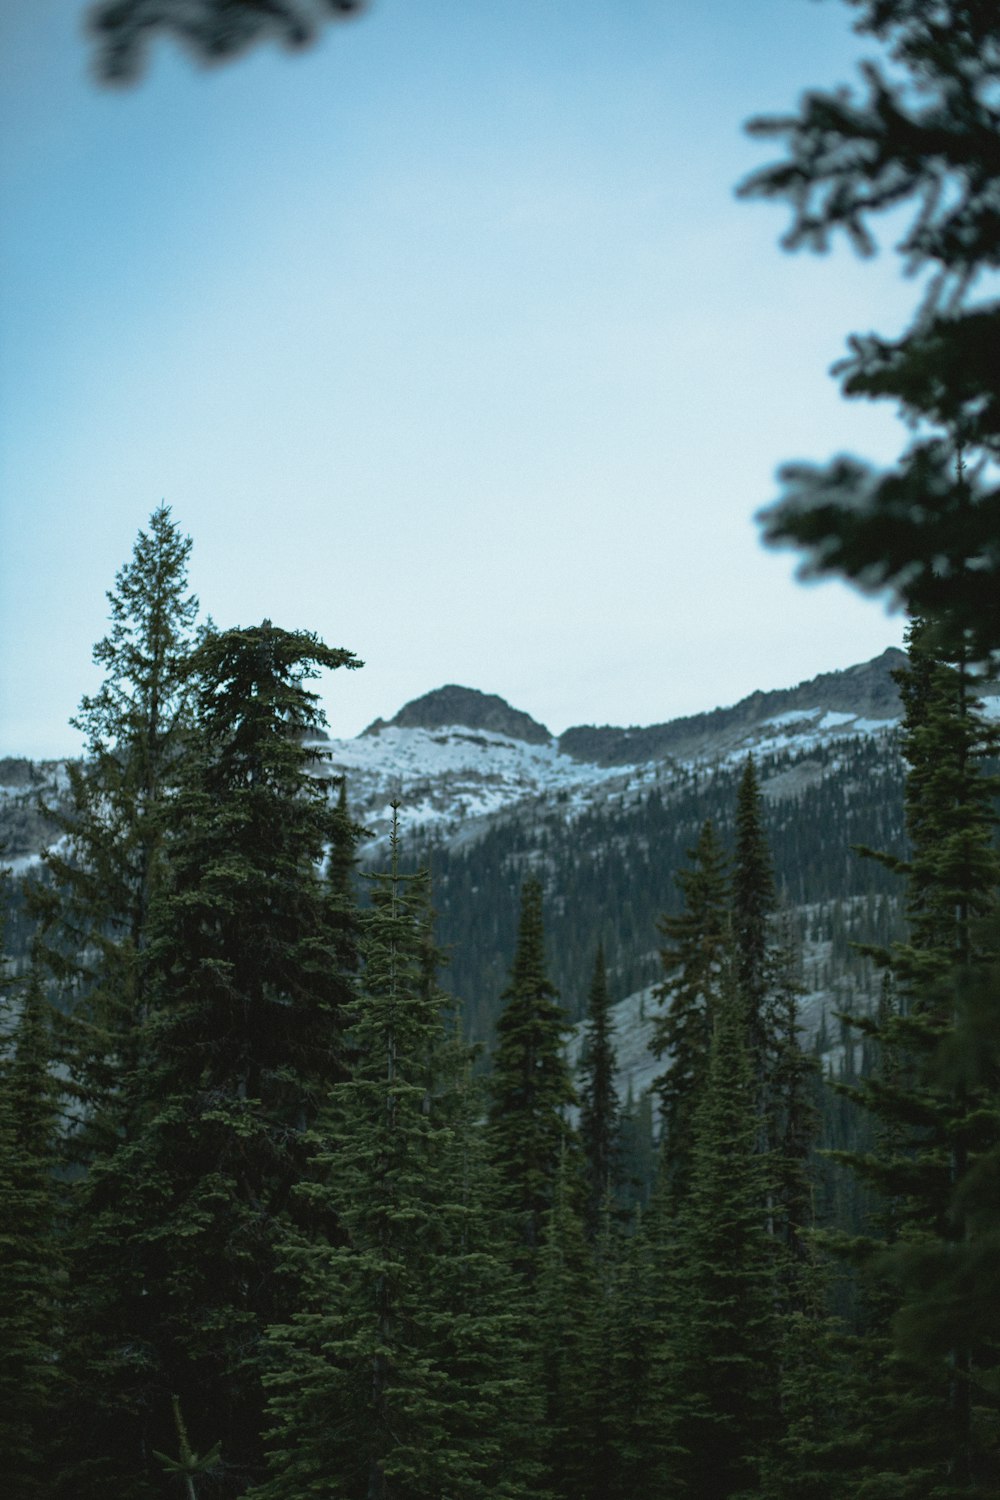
x: 865, y: 689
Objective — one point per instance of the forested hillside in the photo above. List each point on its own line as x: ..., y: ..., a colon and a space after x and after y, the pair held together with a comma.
x: 609, y: 872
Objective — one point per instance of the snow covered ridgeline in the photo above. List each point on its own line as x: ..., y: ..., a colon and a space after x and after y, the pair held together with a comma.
x: 447, y: 775
x: 452, y: 774
x: 456, y: 757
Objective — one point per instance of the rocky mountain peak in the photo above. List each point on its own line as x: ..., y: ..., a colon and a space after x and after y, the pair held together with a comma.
x: 472, y: 709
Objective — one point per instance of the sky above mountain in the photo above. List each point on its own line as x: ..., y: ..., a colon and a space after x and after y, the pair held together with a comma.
x: 447, y: 339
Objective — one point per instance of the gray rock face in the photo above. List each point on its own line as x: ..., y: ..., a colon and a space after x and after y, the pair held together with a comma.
x: 466, y: 706
x: 867, y: 690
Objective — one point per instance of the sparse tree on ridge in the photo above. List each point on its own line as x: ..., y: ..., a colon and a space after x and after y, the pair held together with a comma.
x: 753, y: 905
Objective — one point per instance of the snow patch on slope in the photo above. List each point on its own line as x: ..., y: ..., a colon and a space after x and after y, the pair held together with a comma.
x: 449, y: 780
x: 633, y: 1021
x: 445, y: 777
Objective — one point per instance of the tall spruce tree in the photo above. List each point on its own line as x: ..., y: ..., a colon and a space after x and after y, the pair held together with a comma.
x: 600, y: 1111
x: 32, y: 1270
x: 794, y: 1087
x: 753, y: 905
x: 186, y: 1216
x: 568, y: 1305
x: 725, y: 1366
x: 530, y: 1088
x: 401, y: 1374
x: 93, y: 905
x: 693, y: 963
x: 935, y: 1122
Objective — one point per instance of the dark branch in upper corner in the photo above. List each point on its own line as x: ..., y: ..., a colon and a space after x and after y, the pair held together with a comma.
x: 210, y: 30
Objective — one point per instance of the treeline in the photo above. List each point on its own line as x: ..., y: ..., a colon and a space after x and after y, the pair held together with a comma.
x: 271, y: 1229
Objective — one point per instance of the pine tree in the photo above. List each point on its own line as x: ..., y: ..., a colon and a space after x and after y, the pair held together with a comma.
x: 794, y: 1108
x: 640, y: 1350
x: 182, y: 1223
x: 639, y: 1151
x: 401, y: 1372
x: 820, y: 1399
x: 725, y: 1368
x: 568, y: 1304
x: 32, y: 1286
x: 599, y: 1107
x: 93, y: 905
x: 341, y: 863
x: 530, y: 1086
x: 753, y: 905
x: 693, y: 965
x: 935, y: 1122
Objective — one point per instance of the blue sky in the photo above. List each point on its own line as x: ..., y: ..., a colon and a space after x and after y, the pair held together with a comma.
x: 447, y: 339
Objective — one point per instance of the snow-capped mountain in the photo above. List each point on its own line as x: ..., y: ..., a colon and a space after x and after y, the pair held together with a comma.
x: 606, y: 816
x: 456, y: 757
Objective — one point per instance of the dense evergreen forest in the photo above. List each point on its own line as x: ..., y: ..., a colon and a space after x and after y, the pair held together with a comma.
x: 610, y: 872
x: 273, y: 1228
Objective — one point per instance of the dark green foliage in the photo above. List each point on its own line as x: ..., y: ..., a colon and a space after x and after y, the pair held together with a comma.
x: 639, y: 1274
x: 820, y: 1397
x: 341, y: 865
x: 188, y: 1465
x: 753, y: 904
x: 639, y: 1154
x: 699, y: 938
x: 181, y: 1224
x: 793, y: 1108
x: 923, y: 133
x: 952, y: 875
x: 93, y: 908
x: 402, y: 1372
x: 32, y: 1275
x: 214, y: 30
x: 530, y: 1086
x: 936, y: 1118
x: 93, y: 911
x: 725, y: 1365
x: 599, y: 1107
x: 568, y: 1299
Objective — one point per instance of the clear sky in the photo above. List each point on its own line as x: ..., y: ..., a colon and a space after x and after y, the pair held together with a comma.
x: 446, y: 339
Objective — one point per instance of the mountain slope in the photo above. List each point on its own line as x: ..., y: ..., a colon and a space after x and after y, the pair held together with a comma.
x: 604, y: 816
x: 865, y: 695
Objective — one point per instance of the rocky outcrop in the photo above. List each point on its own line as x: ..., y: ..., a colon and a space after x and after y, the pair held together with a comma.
x: 450, y: 705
